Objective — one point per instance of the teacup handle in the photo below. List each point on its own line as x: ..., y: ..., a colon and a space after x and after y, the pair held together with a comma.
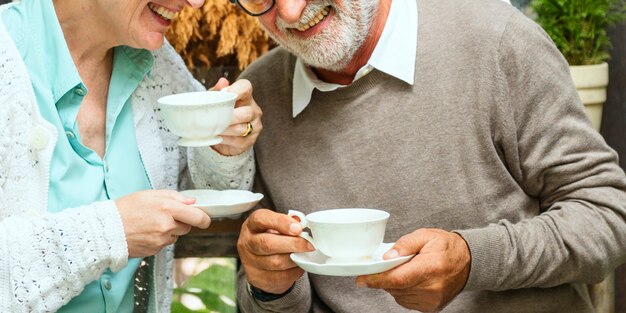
x: 304, y: 223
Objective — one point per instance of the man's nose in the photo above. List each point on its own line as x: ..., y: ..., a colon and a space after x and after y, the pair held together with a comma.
x: 290, y: 10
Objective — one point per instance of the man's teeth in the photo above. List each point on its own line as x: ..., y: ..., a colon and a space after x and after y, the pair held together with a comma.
x: 161, y: 11
x: 315, y: 20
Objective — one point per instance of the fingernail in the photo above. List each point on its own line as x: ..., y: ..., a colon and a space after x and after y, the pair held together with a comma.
x: 295, y: 228
x: 188, y: 200
x: 393, y: 253
x: 310, y: 246
x: 361, y: 284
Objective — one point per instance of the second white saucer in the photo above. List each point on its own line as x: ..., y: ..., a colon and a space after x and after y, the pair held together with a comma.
x: 317, y: 263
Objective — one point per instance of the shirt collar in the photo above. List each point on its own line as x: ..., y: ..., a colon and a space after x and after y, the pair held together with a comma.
x: 62, y: 75
x: 394, y: 54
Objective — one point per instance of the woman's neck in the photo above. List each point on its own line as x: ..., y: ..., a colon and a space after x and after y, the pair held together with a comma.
x: 89, y: 49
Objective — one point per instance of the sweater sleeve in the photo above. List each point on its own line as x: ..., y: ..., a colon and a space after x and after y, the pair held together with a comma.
x: 205, y: 168
x: 47, y: 259
x: 211, y: 170
x: 557, y: 158
x: 298, y: 300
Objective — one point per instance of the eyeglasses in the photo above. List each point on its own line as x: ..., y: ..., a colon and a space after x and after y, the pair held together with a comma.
x: 255, y: 7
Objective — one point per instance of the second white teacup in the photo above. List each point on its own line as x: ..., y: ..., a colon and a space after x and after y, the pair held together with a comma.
x: 198, y: 117
x: 344, y: 235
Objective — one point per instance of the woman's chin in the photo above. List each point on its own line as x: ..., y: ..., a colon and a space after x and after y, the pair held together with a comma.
x: 152, y: 42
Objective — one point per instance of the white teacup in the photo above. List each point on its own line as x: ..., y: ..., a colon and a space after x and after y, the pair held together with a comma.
x: 198, y: 117
x: 344, y: 235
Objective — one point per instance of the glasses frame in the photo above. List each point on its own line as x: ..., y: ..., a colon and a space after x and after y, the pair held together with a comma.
x: 250, y: 13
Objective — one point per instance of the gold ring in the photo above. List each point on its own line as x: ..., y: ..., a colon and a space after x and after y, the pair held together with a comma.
x: 248, y: 130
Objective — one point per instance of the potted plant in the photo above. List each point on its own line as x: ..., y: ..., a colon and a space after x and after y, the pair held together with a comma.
x: 579, y: 30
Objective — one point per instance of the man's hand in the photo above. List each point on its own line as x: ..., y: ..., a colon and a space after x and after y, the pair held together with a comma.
x: 265, y: 242
x: 154, y: 219
x: 432, y: 278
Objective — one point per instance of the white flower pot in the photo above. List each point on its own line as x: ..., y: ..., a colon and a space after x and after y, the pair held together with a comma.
x: 591, y: 82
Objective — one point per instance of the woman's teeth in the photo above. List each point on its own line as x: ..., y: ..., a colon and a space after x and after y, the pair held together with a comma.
x: 161, y: 11
x: 315, y: 20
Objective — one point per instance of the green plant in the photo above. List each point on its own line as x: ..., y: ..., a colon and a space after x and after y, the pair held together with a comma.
x: 579, y: 27
x: 214, y: 287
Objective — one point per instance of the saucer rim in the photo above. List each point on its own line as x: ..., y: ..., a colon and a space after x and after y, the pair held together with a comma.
x: 356, y: 269
x: 236, y: 208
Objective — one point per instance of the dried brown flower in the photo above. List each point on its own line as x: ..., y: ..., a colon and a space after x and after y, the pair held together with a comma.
x: 218, y: 34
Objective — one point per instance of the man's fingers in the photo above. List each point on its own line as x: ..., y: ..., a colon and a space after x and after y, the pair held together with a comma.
x: 264, y: 244
x: 401, y: 277
x: 262, y: 220
x: 276, y: 262
x: 407, y: 245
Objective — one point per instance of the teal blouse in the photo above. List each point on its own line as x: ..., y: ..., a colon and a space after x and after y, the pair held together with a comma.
x: 78, y: 175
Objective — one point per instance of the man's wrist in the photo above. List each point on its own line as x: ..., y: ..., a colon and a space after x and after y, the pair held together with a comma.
x: 263, y: 296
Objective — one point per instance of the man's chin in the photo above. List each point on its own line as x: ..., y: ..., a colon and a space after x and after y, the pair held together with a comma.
x: 325, y: 64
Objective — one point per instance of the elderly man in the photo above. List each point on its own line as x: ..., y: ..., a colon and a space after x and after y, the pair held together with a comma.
x: 457, y: 117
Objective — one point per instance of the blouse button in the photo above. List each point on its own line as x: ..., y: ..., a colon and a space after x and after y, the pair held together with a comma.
x: 107, y: 284
x: 79, y: 91
x: 38, y: 137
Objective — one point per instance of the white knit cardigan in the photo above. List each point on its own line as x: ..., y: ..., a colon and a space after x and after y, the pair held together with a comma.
x: 46, y: 259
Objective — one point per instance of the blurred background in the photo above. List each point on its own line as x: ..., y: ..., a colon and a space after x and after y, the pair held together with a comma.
x: 219, y: 40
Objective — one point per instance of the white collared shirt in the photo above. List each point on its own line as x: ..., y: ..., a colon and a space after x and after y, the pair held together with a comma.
x: 394, y: 54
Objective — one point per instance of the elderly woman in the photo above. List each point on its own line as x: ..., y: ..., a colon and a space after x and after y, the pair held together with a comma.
x: 87, y: 169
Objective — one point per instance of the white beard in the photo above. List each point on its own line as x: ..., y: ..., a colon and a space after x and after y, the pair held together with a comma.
x: 334, y: 47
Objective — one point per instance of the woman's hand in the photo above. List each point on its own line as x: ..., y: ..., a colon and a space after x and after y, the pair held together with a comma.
x: 246, y: 123
x: 154, y: 219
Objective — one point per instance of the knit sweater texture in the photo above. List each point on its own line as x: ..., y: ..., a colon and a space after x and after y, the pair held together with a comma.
x: 47, y: 258
x: 491, y: 141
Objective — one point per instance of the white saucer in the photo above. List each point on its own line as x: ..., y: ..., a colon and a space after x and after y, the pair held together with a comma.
x: 224, y: 203
x: 317, y: 263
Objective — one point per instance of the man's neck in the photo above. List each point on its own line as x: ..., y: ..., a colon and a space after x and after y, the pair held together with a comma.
x: 362, y: 56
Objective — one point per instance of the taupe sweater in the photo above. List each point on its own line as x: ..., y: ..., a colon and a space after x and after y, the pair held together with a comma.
x: 491, y: 140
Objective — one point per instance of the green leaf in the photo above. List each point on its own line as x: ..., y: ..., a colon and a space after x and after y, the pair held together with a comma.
x: 178, y: 307
x: 215, y: 303
x: 579, y: 27
x: 215, y: 287
x: 217, y: 279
